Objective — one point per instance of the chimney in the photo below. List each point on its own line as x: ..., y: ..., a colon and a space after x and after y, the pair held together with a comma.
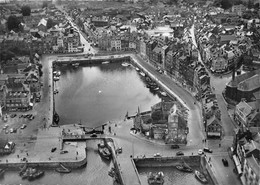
x: 233, y: 73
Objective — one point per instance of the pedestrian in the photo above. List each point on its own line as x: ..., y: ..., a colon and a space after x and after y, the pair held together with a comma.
x: 77, y: 153
x: 27, y: 154
x: 192, y: 153
x: 209, y: 158
x: 219, y: 145
x: 17, y: 156
x: 76, y: 158
x: 6, y: 160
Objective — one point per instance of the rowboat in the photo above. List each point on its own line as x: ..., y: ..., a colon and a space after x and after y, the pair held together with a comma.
x: 106, y: 62
x: 156, y: 178
x: 104, y: 151
x: 201, y: 177
x: 125, y: 64
x: 142, y: 74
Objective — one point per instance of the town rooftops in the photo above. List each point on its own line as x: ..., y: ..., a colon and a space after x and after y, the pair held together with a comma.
x: 157, y: 50
x: 244, y: 108
x: 250, y: 84
x: 17, y: 94
x: 3, y: 77
x: 43, y: 22
x: 213, y: 120
x: 227, y: 38
x: 254, y: 163
x: 241, y: 78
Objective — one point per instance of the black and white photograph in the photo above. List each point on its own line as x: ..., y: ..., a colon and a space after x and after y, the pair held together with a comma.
x: 129, y: 92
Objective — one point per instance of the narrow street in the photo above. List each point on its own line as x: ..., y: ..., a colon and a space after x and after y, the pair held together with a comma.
x: 219, y: 85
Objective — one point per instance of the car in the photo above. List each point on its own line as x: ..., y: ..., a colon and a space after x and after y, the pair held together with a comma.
x: 93, y: 135
x: 26, y: 115
x: 11, y: 130
x: 5, y: 127
x: 200, y: 152
x: 225, y: 162
x: 31, y: 117
x: 13, y: 115
x: 64, y: 152
x: 157, y: 155
x: 175, y: 146
x: 23, y: 126
x: 179, y: 153
x: 21, y: 116
x: 207, y: 150
x: 53, y: 149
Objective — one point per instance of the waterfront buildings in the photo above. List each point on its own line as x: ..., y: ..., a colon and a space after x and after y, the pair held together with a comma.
x: 243, y: 86
x: 247, y: 156
x: 166, y: 122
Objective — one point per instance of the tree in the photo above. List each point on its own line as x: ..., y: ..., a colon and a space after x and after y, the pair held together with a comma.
x: 157, y: 115
x: 50, y: 23
x: 44, y: 4
x: 225, y: 4
x: 13, y: 23
x: 26, y: 10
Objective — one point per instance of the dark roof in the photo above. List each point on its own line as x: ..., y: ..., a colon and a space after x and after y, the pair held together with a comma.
x: 213, y: 120
x: 243, y: 77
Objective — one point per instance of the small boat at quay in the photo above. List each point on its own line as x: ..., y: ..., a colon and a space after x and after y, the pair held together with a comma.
x: 163, y: 94
x: 125, y: 64
x: 184, y: 168
x: 137, y: 69
x: 156, y: 178
x: 106, y: 62
x: 75, y: 65
x: 201, y: 177
x: 104, y: 151
x: 62, y: 169
x: 142, y: 74
x: 36, y: 175
x: 2, y: 171
x: 56, y: 78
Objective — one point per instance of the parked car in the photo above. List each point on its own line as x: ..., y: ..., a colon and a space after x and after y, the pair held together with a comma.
x: 13, y: 115
x: 157, y: 155
x: 53, y: 149
x: 175, y: 146
x: 225, y: 162
x: 6, y: 126
x: 179, y: 153
x: 31, y: 117
x: 200, y: 152
x: 23, y: 126
x: 207, y: 150
x: 64, y: 152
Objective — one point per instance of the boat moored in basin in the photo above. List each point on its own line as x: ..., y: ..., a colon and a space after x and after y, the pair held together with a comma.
x: 201, y: 177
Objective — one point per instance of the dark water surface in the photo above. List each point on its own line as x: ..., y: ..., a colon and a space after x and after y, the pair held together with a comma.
x: 98, y: 94
x: 172, y: 176
x: 93, y: 95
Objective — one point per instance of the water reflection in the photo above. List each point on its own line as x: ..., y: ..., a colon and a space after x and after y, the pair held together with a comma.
x: 98, y: 94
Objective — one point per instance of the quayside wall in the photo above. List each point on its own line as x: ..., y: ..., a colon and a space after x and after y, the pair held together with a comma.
x: 47, y: 164
x: 166, y: 161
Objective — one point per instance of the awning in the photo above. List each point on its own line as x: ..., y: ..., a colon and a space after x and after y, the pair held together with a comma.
x: 238, y: 165
x: 213, y: 133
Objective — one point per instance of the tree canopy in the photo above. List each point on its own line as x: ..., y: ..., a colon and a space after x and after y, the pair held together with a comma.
x: 26, y: 10
x: 157, y: 115
x: 50, y: 23
x: 44, y: 4
x: 13, y: 23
